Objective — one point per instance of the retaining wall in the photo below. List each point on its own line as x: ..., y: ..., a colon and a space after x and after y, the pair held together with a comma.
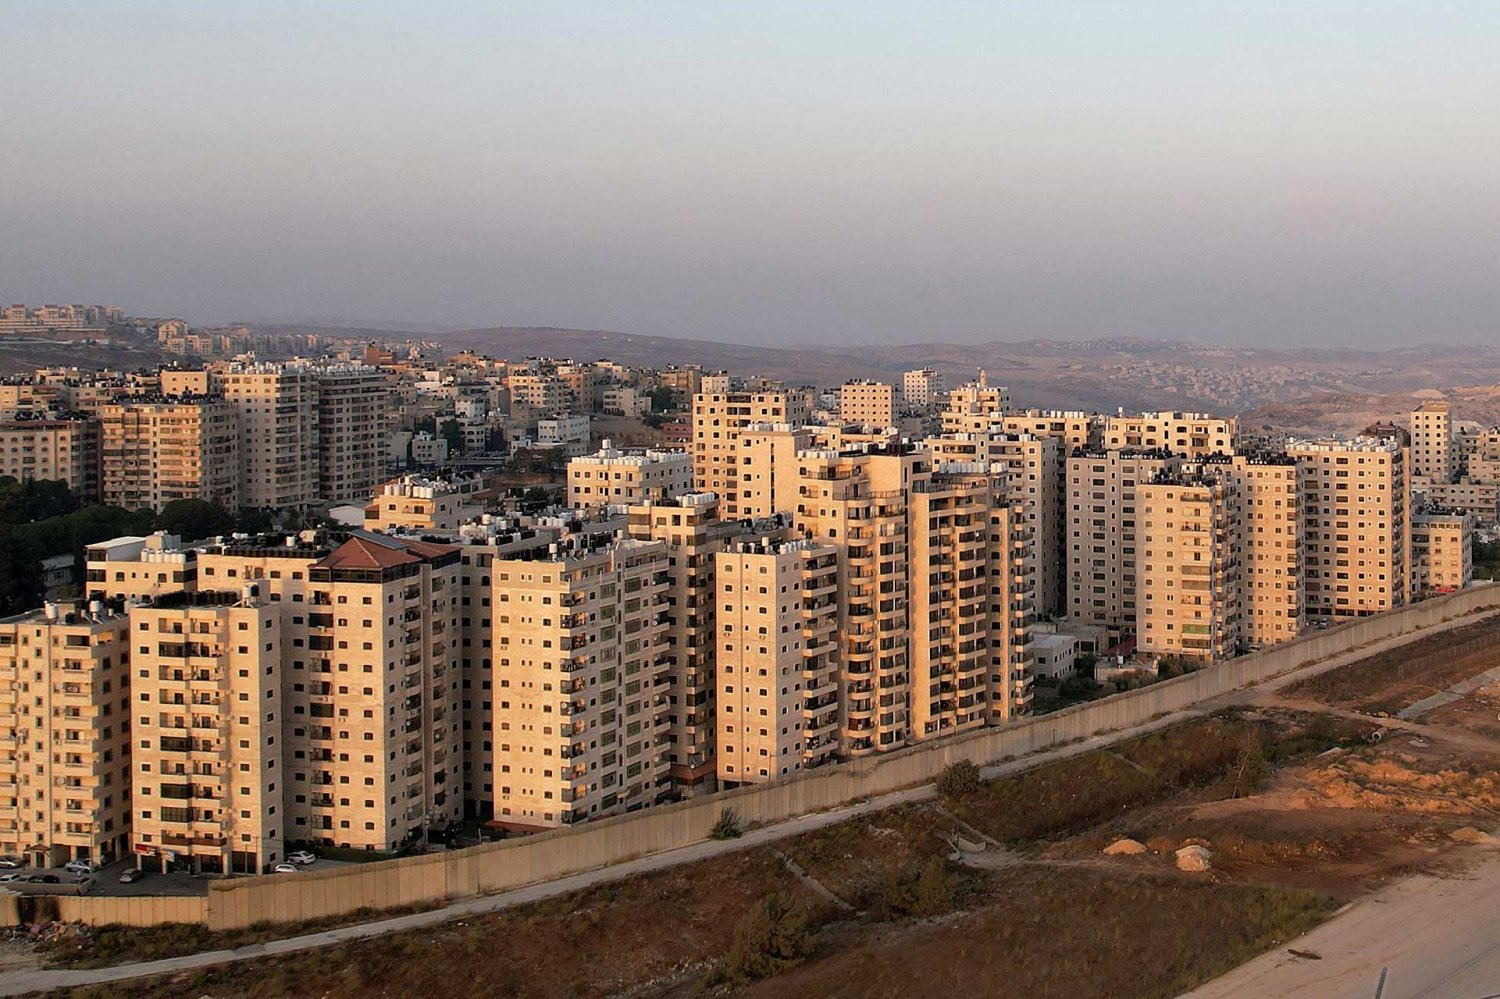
x: 434, y: 878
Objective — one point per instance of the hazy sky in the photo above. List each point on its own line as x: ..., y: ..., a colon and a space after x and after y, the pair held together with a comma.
x: 771, y: 172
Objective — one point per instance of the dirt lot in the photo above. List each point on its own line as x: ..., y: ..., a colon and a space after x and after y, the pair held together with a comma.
x: 1390, y: 681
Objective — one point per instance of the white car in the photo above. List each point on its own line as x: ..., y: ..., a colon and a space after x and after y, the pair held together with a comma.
x: 10, y: 863
x: 286, y: 869
x: 6, y: 879
x: 302, y: 857
x: 79, y: 867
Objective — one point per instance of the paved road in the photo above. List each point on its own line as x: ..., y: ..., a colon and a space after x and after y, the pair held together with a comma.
x: 20, y: 983
x: 1435, y: 938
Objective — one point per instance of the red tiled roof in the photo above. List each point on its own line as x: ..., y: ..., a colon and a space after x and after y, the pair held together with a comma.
x: 363, y: 552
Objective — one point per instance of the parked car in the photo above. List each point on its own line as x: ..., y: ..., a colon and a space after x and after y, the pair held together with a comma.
x: 302, y: 857
x: 44, y: 879
x: 6, y: 879
x: 79, y: 867
x: 286, y: 869
x: 131, y: 875
x: 10, y: 863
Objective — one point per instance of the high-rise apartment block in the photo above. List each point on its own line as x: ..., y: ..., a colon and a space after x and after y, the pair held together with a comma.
x: 578, y: 675
x: 156, y: 450
x: 719, y: 417
x: 1432, y: 442
x: 279, y: 426
x: 1035, y: 472
x: 1442, y: 551
x: 66, y: 450
x: 778, y: 706
x: 209, y: 755
x: 1188, y: 565
x: 975, y: 407
x: 868, y: 403
x: 1193, y: 435
x: 354, y: 402
x: 1357, y: 519
x: 613, y: 476
x: 923, y: 388
x: 65, y: 733
x: 1102, y: 525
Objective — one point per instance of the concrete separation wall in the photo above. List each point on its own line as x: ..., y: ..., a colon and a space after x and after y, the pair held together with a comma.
x: 435, y: 878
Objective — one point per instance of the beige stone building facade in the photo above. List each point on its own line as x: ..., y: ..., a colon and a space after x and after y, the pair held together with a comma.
x: 579, y: 673
x: 209, y: 781
x: 65, y: 733
x: 278, y: 411
x: 1192, y: 435
x: 923, y: 389
x: 975, y: 407
x: 418, y: 503
x: 1357, y: 519
x: 1432, y: 442
x: 616, y: 477
x: 868, y: 403
x: 1103, y: 551
x: 1442, y: 552
x: 157, y: 450
x: 776, y: 636
x: 354, y: 406
x: 1188, y: 571
x: 719, y: 417
x: 52, y: 450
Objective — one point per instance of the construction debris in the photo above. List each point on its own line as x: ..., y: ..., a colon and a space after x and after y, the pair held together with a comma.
x: 1125, y: 848
x: 1194, y: 859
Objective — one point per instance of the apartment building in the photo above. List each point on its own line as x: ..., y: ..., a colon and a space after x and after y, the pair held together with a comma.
x: 976, y: 406
x: 1101, y: 530
x: 1268, y: 538
x: 923, y: 388
x: 1192, y: 435
x: 1357, y: 519
x: 693, y: 533
x: 278, y: 408
x: 132, y: 569
x: 868, y: 403
x: 578, y: 679
x: 858, y: 501
x: 958, y: 557
x: 778, y: 703
x: 65, y: 733
x: 613, y: 476
x: 767, y: 467
x: 1035, y: 471
x: 1075, y: 429
x: 65, y: 450
x: 719, y: 417
x: 158, y: 449
x: 1432, y: 442
x: 1481, y: 500
x: 1442, y: 551
x: 418, y: 503
x: 208, y: 761
x: 532, y: 395
x: 354, y: 405
x: 1188, y: 571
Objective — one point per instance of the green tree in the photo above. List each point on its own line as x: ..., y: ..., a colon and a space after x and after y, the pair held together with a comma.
x: 191, y: 519
x: 663, y: 399
x: 772, y: 937
x: 959, y: 779
x: 453, y: 433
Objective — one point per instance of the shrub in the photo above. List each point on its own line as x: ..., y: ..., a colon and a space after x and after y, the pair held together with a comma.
x: 772, y: 937
x: 919, y: 891
x: 727, y: 826
x: 959, y: 779
x: 1248, y: 771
